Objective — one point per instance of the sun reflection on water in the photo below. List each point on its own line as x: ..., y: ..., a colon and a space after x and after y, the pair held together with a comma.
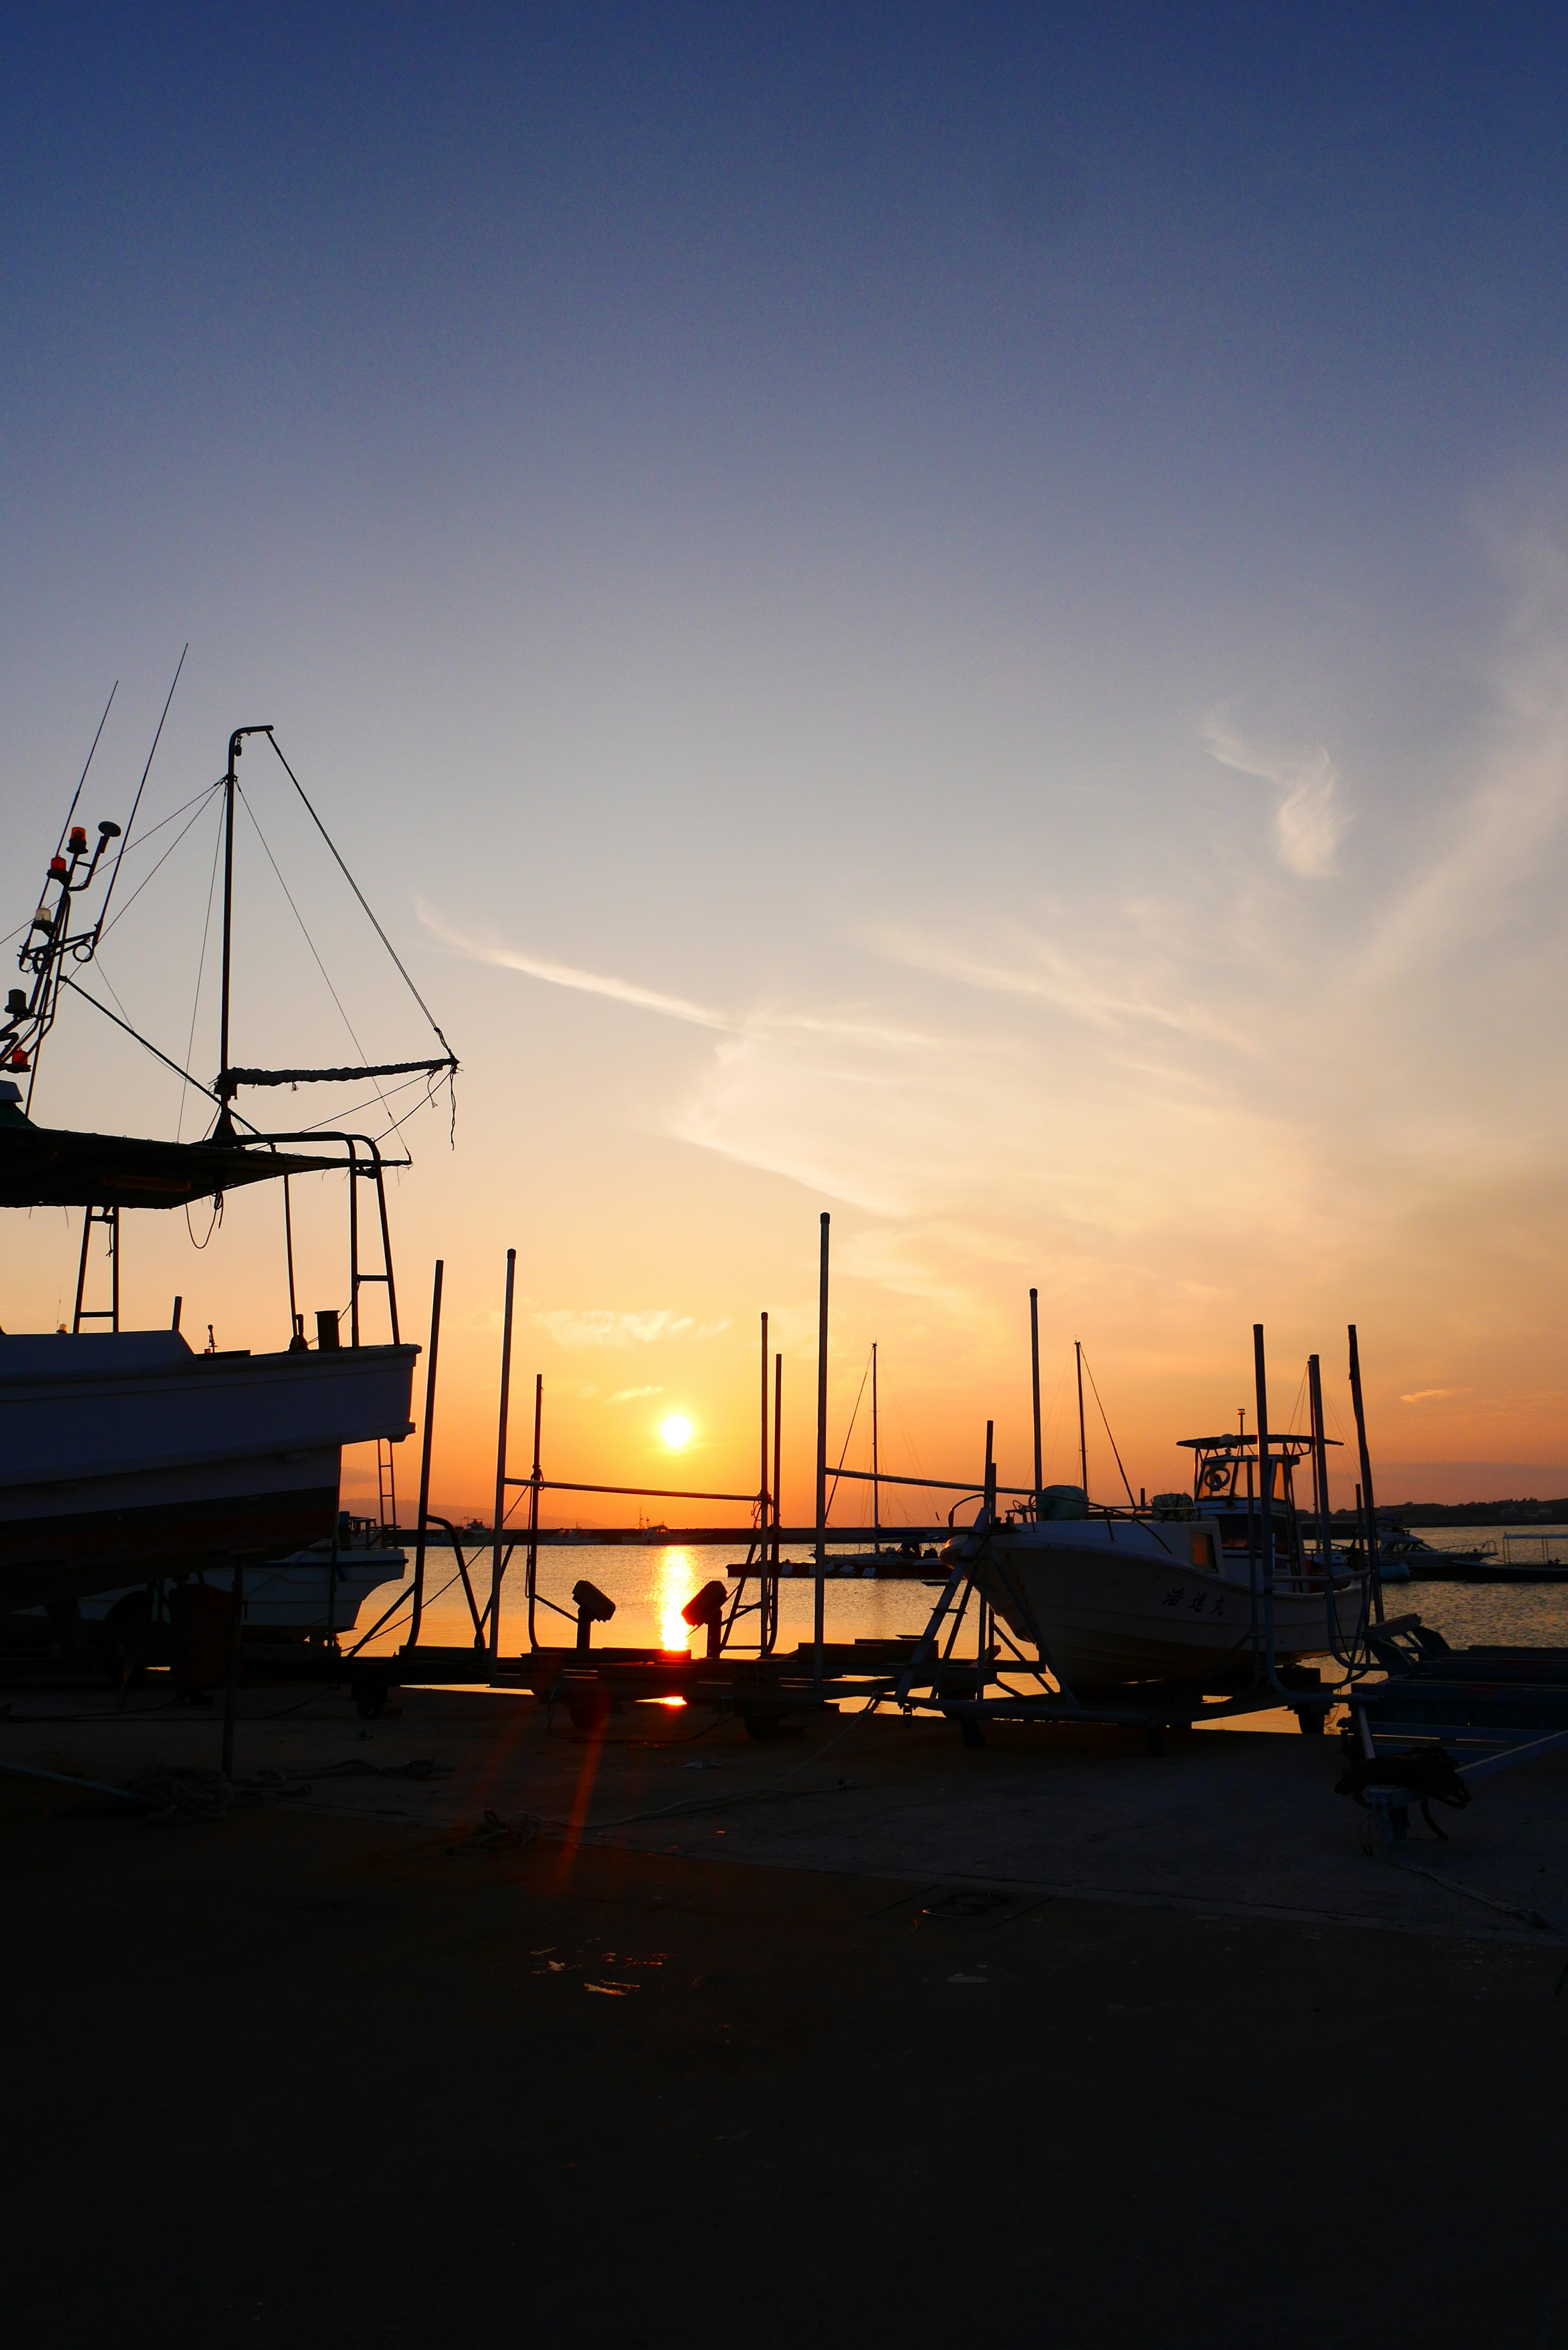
x: 678, y: 1579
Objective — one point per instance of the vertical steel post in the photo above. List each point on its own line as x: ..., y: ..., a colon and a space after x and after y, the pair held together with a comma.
x: 1320, y: 1465
x: 496, y: 1569
x: 1035, y: 1371
x: 1083, y: 1439
x: 1368, y: 1507
x: 353, y: 1244
x: 772, y: 1624
x: 225, y: 1120
x: 532, y: 1576
x: 762, y: 1506
x: 427, y: 1438
x: 1266, y: 1494
x: 819, y: 1580
x: 288, y: 1253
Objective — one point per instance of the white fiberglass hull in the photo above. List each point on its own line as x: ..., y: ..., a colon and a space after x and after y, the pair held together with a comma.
x: 124, y: 1455
x: 1131, y: 1599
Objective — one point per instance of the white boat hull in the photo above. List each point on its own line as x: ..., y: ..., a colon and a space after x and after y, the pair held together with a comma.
x: 1128, y: 1600
x: 123, y: 1456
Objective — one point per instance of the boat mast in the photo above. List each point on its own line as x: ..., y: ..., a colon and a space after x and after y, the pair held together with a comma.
x: 1035, y: 1367
x: 1083, y: 1439
x: 225, y: 1087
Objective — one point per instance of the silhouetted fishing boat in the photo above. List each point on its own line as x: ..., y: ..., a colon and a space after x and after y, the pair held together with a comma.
x: 1185, y: 1588
x: 124, y: 1455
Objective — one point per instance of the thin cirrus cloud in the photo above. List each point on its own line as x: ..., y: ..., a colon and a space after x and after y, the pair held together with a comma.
x: 607, y: 1325
x: 502, y: 957
x: 1434, y: 1394
x: 1309, y: 822
x: 632, y: 1394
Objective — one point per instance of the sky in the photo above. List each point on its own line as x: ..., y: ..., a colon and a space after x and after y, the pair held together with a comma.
x: 955, y: 615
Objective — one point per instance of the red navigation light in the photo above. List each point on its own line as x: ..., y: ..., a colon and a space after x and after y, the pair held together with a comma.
x: 18, y: 1058
x: 78, y: 840
x: 57, y: 865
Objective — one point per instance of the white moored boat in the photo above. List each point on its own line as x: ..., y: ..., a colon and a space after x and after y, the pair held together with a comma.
x: 1132, y: 1598
x: 1178, y: 1590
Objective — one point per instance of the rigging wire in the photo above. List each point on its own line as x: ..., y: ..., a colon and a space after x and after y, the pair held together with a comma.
x: 1112, y: 1439
x: 364, y: 901
x: 169, y: 851
x: 849, y: 1430
x: 141, y: 786
x: 75, y: 796
x: 201, y: 967
x: 305, y: 934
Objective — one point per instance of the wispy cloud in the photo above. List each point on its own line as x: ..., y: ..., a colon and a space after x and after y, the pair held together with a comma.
x: 809, y: 1023
x: 586, y: 982
x: 632, y: 1394
x: 1309, y: 823
x: 1434, y: 1394
x: 608, y: 1325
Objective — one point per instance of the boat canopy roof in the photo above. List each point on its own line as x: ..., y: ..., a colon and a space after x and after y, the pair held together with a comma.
x: 1238, y: 1447
x: 50, y: 1167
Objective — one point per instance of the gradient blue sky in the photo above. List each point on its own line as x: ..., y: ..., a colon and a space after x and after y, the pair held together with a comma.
x: 956, y: 614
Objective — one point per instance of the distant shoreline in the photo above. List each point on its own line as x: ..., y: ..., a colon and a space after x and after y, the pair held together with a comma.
x: 1527, y: 1513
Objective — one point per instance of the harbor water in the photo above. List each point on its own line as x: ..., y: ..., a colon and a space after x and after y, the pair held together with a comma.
x: 650, y: 1586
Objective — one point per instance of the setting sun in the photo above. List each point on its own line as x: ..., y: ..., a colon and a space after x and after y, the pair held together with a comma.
x: 676, y: 1432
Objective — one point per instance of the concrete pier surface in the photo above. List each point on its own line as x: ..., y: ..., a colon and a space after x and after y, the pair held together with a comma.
x: 1052, y: 2039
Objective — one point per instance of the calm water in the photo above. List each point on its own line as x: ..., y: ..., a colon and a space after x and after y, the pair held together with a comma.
x: 650, y: 1588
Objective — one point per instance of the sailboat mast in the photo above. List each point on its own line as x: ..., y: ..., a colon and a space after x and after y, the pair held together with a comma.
x: 228, y: 917
x: 1083, y: 1439
x: 236, y: 744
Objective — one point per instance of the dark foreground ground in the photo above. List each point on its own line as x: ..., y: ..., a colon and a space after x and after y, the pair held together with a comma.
x: 306, y: 2079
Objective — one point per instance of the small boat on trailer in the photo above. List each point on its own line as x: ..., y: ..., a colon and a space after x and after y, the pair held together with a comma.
x: 1185, y: 1590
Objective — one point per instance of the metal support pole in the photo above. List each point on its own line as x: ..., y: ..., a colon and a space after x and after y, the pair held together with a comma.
x: 288, y: 1253
x: 496, y: 1569
x: 1368, y: 1507
x: 1083, y: 1439
x: 425, y: 1456
x: 1265, y: 1496
x: 225, y: 1120
x: 81, y: 1270
x: 387, y: 1251
x: 819, y: 1585
x: 114, y: 1267
x: 1320, y: 1466
x: 763, y: 1507
x: 1035, y: 1369
x: 353, y: 1243
x: 772, y: 1587
x: 531, y: 1575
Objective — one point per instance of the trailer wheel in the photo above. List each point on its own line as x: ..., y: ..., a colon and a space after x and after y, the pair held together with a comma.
x: 969, y: 1731
x: 1311, y: 1721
